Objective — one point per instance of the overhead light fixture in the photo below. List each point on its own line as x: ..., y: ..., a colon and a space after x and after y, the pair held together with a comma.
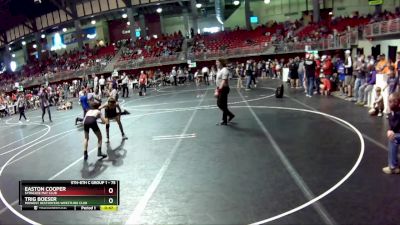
x: 13, y: 55
x: 330, y: 13
x: 159, y: 10
x: 34, y: 46
x: 91, y: 36
x: 64, y: 29
x: 198, y: 5
x: 23, y: 42
x: 267, y: 1
x: 9, y: 48
x: 236, y: 2
x: 43, y: 36
x: 13, y: 66
x: 93, y: 22
x: 124, y: 15
x: 128, y: 23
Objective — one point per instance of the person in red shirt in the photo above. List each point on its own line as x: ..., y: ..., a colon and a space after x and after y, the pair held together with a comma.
x: 142, y: 82
x: 326, y: 85
x: 327, y: 66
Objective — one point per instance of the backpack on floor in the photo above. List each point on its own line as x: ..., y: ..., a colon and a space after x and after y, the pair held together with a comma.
x: 279, y: 92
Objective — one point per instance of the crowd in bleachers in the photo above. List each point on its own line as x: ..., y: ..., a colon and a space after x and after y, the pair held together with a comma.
x: 151, y: 47
x: 53, y: 63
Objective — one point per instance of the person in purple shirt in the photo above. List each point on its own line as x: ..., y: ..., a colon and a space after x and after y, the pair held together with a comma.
x: 85, y: 106
x: 392, y: 81
x: 364, y: 92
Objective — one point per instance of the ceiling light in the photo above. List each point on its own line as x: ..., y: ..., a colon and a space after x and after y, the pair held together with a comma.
x: 159, y: 10
x: 43, y: 36
x: 93, y: 22
x: 13, y: 66
x: 124, y: 15
x: 13, y: 55
x: 236, y: 2
x: 128, y: 23
x: 23, y: 42
x: 34, y: 46
x: 198, y: 5
x: 9, y: 48
x: 330, y: 13
x: 267, y: 1
x: 64, y: 29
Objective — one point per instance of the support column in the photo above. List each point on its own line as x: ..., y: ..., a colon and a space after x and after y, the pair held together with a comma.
x: 162, y: 23
x: 143, y: 31
x: 38, y: 45
x: 78, y: 32
x: 186, y: 32
x: 316, y: 14
x: 132, y: 25
x: 193, y: 7
x: 25, y: 51
x: 247, y: 14
x: 7, y: 57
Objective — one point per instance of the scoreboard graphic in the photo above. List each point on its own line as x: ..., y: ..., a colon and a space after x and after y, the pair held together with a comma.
x: 73, y: 195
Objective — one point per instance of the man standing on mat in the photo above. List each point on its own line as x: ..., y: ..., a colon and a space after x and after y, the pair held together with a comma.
x: 111, y: 113
x: 21, y: 103
x: 222, y: 91
x: 44, y: 102
x: 102, y: 84
x: 143, y: 83
x: 125, y: 80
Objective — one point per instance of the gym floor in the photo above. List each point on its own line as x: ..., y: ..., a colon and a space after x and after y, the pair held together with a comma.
x: 294, y: 160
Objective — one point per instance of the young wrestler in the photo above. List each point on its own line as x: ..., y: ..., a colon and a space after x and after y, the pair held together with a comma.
x: 111, y: 113
x: 90, y: 122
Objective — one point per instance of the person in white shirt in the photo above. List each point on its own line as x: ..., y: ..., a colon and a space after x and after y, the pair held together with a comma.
x: 96, y: 83
x: 222, y: 91
x: 102, y: 83
x: 115, y: 73
x: 173, y: 74
x: 348, y: 80
x: 125, y: 80
x: 205, y: 71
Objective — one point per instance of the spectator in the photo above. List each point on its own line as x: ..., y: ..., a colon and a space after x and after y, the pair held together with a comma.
x: 377, y: 108
x: 310, y: 67
x: 382, y: 72
x: 393, y: 135
x: 360, y: 68
x: 293, y: 73
x: 365, y: 90
x: 348, y: 65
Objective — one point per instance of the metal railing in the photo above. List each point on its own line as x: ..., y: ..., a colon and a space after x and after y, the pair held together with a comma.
x: 148, y: 62
x: 343, y: 41
x: 230, y: 53
x: 57, y: 77
x: 382, y: 28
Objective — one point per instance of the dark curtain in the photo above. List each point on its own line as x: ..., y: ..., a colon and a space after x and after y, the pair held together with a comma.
x: 376, y: 50
x: 392, y: 53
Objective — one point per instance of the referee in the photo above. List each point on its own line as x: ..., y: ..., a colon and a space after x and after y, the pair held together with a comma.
x: 222, y: 91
